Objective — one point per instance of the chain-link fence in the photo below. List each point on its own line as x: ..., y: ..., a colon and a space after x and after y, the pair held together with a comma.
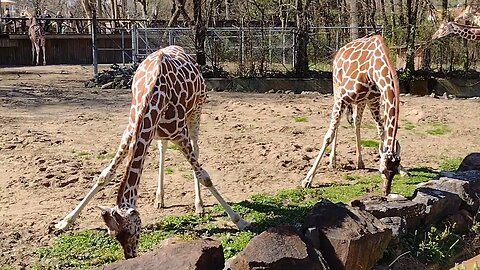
x: 257, y: 51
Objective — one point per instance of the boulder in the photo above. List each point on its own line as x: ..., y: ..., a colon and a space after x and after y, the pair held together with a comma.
x: 466, y: 184
x: 470, y: 162
x: 277, y: 249
x: 203, y: 254
x: 439, y: 201
x: 348, y: 237
x: 411, y: 213
x: 461, y: 221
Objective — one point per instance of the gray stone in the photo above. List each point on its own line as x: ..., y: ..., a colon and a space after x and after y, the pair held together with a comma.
x: 350, y: 238
x: 461, y: 221
x: 438, y: 201
x: 411, y: 212
x: 278, y: 249
x: 470, y: 162
x: 398, y: 225
x: 203, y: 254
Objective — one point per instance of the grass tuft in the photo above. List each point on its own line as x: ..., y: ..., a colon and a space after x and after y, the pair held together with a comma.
x: 173, y: 146
x: 105, y: 156
x: 438, y: 129
x: 369, y: 143
x: 450, y: 164
x: 81, y: 153
x: 407, y: 125
x: 300, y: 119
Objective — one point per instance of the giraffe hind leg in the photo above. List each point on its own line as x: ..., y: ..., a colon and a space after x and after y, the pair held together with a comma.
x: 159, y: 195
x: 204, y: 178
x: 357, y: 121
x: 104, y: 178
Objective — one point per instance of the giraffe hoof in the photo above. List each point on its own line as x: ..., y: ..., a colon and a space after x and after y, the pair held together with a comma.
x: 159, y: 205
x: 62, y: 225
x: 331, y: 167
x: 243, y: 224
x: 306, y: 183
x: 360, y: 166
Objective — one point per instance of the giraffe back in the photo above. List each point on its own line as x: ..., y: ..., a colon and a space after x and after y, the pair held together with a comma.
x: 174, y: 74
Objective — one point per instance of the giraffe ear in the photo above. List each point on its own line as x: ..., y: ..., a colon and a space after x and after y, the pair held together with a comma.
x: 112, y: 219
x: 397, y: 149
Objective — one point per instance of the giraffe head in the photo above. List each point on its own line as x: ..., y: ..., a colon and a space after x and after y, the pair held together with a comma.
x: 124, y: 225
x: 445, y: 29
x: 389, y: 165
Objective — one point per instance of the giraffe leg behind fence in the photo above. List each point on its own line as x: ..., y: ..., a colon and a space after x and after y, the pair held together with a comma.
x: 104, y: 178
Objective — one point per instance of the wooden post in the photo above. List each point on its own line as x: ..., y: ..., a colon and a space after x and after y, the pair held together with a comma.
x: 94, y: 43
x: 134, y: 43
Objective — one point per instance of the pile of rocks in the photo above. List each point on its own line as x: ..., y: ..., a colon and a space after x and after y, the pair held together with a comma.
x: 116, y: 77
x: 335, y: 236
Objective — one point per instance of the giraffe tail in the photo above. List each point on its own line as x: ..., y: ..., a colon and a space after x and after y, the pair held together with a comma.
x: 349, y: 113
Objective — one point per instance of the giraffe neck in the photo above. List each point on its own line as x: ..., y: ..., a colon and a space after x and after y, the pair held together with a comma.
x: 145, y: 113
x: 387, y: 80
x: 466, y: 32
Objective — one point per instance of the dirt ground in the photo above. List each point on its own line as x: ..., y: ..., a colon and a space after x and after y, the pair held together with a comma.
x: 52, y: 131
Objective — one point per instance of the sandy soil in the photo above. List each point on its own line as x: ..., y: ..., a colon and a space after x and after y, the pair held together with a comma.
x: 52, y: 129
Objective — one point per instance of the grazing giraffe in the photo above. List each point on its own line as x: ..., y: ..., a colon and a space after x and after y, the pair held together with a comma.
x: 363, y: 74
x: 168, y: 91
x: 37, y: 38
x: 463, y: 31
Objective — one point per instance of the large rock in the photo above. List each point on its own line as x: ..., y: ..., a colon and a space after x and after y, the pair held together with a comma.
x: 470, y: 162
x: 278, y: 249
x: 466, y: 184
x: 440, y: 201
x: 203, y: 254
x: 411, y: 213
x: 348, y: 238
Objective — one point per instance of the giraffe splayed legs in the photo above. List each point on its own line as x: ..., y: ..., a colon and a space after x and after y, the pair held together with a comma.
x: 167, y: 96
x: 363, y: 75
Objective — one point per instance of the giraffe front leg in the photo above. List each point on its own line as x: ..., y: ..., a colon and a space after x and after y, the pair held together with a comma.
x: 327, y: 140
x: 193, y: 129
x: 44, y: 60
x: 104, y: 178
x: 357, y: 122
x: 33, y: 54
x: 37, y: 50
x: 159, y: 195
x: 204, y: 178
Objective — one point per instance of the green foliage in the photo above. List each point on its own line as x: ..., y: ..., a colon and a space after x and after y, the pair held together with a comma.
x: 168, y: 170
x: 369, y: 143
x: 300, y: 119
x: 81, y: 153
x: 7, y: 267
x: 80, y: 250
x: 407, y: 125
x: 450, y: 164
x: 438, y: 129
x: 439, y: 245
x: 173, y: 146
x: 233, y: 243
x: 105, y: 156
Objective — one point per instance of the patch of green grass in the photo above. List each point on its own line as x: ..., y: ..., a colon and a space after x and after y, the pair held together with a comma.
x: 369, y: 143
x: 289, y: 206
x: 7, y: 267
x: 105, y: 156
x: 300, y: 119
x: 168, y: 170
x: 173, y: 146
x: 407, y: 125
x: 81, y: 153
x: 81, y: 250
x: 450, y: 164
x: 438, y: 129
x: 368, y: 126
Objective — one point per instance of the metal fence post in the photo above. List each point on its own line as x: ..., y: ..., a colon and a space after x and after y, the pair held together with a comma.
x: 134, y: 43
x: 94, y: 43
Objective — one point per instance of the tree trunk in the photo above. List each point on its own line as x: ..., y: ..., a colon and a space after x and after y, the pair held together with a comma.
x: 353, y: 20
x: 444, y: 9
x: 87, y: 8
x: 412, y: 11
x: 301, y: 40
x: 392, y: 7
x: 200, y: 32
x: 384, y: 13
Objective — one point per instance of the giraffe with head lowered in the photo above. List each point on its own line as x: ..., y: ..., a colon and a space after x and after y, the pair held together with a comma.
x: 470, y: 14
x: 363, y: 74
x: 168, y: 91
x: 37, y: 38
x: 463, y: 31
